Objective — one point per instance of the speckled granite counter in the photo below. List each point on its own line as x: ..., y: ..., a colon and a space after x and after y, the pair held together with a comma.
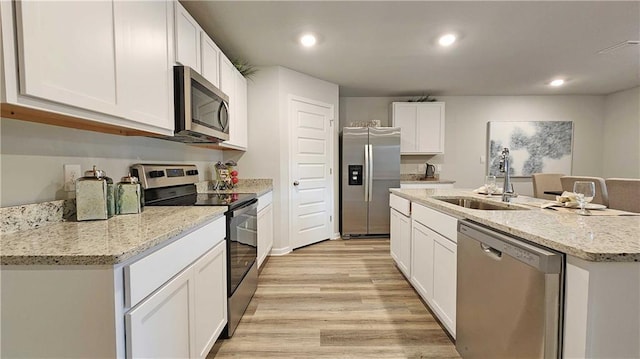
x: 46, y: 233
x: 408, y: 178
x: 257, y: 186
x: 101, y: 242
x: 593, y: 238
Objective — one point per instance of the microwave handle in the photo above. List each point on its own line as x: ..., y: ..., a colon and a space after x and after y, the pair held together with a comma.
x: 223, y: 120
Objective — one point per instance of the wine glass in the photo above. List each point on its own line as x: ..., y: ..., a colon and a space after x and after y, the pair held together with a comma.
x: 490, y: 184
x: 585, y: 191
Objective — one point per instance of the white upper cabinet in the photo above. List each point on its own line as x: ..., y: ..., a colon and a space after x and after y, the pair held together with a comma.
x: 67, y: 52
x: 143, y: 56
x: 210, y: 59
x: 234, y: 85
x: 194, y: 48
x: 105, y: 61
x: 238, y: 136
x: 227, y: 76
x: 187, y: 39
x: 421, y: 127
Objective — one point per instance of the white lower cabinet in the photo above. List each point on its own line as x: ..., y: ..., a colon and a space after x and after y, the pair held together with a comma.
x: 169, y: 302
x: 210, y: 298
x: 400, y: 237
x: 401, y: 241
x: 434, y: 262
x: 185, y: 316
x: 443, y: 300
x: 265, y: 226
x: 161, y: 326
x: 422, y: 260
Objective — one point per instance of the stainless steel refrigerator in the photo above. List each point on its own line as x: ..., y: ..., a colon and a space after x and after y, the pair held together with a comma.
x: 370, y: 165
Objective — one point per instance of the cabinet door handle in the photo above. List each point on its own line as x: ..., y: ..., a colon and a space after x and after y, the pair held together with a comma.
x: 296, y: 183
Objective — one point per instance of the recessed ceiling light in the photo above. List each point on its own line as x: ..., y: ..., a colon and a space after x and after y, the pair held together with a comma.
x: 447, y: 40
x: 308, y: 40
x: 556, y: 83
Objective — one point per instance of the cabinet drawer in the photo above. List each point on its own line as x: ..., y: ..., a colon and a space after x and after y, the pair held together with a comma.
x: 400, y: 204
x: 441, y: 223
x: 265, y: 200
x: 149, y: 273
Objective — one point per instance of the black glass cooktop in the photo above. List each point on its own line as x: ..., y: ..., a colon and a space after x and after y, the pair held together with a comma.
x: 222, y: 199
x: 187, y: 197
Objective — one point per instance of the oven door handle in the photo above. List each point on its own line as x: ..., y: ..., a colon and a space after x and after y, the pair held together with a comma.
x: 238, y: 211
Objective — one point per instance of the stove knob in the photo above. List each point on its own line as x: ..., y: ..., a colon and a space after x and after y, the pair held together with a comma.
x: 192, y: 172
x: 155, y: 174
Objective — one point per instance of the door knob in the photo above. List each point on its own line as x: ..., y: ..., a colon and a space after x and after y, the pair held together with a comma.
x: 295, y: 183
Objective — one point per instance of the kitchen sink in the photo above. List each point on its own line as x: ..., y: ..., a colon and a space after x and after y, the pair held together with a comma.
x: 474, y: 203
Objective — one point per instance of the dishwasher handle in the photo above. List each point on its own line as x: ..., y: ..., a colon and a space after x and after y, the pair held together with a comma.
x: 491, y: 252
x: 542, y: 259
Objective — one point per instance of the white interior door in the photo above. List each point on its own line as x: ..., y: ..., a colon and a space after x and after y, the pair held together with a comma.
x: 310, y: 183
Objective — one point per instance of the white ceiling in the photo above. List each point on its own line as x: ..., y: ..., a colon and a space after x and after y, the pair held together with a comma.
x: 387, y: 48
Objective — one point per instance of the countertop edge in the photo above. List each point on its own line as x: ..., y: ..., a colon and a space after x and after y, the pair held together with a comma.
x: 427, y: 181
x: 111, y: 258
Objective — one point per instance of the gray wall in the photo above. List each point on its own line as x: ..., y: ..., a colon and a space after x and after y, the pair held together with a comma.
x: 466, y: 125
x: 269, y: 128
x: 622, y: 134
x: 33, y: 156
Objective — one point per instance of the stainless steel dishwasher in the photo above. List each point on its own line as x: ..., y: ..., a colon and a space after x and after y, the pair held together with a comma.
x: 509, y: 296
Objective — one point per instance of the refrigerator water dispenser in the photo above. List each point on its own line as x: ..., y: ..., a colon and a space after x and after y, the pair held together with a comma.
x: 355, y: 175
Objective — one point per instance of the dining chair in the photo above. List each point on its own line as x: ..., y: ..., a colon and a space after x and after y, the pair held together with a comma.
x: 624, y: 194
x: 546, y: 182
x: 601, y: 196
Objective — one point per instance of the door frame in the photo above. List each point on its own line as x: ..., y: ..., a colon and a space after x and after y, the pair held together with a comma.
x: 333, y: 173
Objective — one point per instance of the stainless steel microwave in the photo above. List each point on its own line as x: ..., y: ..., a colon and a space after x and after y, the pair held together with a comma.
x: 201, y: 109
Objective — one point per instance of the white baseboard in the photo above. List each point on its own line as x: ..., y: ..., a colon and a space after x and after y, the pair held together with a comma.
x: 336, y: 236
x: 280, y: 251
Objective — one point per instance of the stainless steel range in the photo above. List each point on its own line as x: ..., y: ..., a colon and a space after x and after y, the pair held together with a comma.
x: 174, y: 185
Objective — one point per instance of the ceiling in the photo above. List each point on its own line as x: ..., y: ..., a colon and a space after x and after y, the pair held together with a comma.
x: 388, y: 48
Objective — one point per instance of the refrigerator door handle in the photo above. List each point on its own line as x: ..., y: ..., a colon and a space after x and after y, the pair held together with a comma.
x: 370, y: 175
x: 366, y: 173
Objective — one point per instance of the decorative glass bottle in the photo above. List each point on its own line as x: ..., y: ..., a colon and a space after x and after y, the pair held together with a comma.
x: 129, y: 196
x: 94, y: 196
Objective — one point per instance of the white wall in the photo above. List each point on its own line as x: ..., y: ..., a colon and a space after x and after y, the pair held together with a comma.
x: 466, y: 130
x: 268, y: 153
x: 622, y: 134
x: 33, y: 156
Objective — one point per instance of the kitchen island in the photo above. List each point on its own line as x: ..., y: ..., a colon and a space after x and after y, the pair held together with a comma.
x: 595, y: 238
x: 602, y: 275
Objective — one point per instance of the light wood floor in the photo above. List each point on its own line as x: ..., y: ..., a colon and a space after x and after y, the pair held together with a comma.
x: 336, y: 299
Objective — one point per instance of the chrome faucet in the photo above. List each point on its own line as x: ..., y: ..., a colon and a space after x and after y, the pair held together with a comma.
x: 507, y: 188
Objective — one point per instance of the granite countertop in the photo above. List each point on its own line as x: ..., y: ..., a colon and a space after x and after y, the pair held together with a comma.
x: 46, y: 233
x: 105, y: 242
x: 421, y: 179
x: 257, y: 186
x: 598, y: 238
